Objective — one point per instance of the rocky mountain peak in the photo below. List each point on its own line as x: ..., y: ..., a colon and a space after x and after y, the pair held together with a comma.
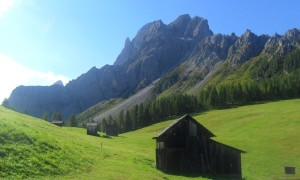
x: 125, y: 53
x: 59, y: 83
x: 153, y: 35
x: 127, y: 42
x: 248, y: 36
x: 178, y: 26
x: 183, y: 19
x: 213, y: 48
x: 283, y: 44
x: 247, y: 46
x: 198, y: 29
x: 293, y: 33
x: 150, y: 31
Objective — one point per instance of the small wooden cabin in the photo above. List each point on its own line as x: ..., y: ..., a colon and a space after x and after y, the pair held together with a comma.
x: 58, y: 123
x: 112, y: 130
x: 92, y: 129
x: 186, y: 146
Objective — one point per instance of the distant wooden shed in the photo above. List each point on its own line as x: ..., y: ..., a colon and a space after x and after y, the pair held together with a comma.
x: 58, y: 123
x: 186, y: 146
x: 112, y: 130
x: 92, y: 129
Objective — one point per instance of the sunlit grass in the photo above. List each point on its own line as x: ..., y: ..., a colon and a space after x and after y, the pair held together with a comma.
x: 269, y: 133
x: 30, y: 147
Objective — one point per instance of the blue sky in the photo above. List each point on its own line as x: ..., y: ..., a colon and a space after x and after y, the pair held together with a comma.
x: 42, y: 41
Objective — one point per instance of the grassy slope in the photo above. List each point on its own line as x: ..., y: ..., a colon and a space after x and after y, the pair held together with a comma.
x: 31, y: 147
x: 268, y: 132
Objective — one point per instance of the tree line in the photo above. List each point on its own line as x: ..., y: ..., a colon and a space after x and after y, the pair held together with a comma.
x: 270, y: 79
x: 151, y: 112
x: 273, y: 79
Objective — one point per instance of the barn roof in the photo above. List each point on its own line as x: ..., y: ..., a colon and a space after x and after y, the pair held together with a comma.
x: 181, y: 119
x: 91, y: 124
x: 230, y: 147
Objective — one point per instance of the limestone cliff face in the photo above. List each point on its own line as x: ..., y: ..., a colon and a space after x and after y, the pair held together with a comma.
x: 247, y: 46
x: 186, y: 44
x: 283, y: 44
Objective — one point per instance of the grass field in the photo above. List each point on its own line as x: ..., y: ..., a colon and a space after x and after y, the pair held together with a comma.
x: 32, y: 148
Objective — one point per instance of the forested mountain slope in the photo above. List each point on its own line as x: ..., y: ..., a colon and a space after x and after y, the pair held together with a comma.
x: 271, y: 75
x: 184, y: 55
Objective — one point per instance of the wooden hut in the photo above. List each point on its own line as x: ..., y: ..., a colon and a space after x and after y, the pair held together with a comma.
x: 92, y: 129
x: 112, y: 130
x: 58, y: 123
x: 186, y: 146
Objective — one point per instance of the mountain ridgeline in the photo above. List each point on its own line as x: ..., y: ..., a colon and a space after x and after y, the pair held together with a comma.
x: 183, y: 57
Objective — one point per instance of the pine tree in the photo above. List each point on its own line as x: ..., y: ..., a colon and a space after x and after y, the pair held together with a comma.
x: 56, y: 116
x: 5, y: 103
x: 133, y: 117
x: 212, y: 97
x: 103, y: 125
x: 45, y: 116
x: 120, y: 121
x: 72, y: 121
x: 128, y: 122
x: 140, y: 115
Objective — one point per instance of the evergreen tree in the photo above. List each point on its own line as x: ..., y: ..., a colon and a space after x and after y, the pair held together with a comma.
x: 110, y: 120
x: 56, y: 116
x: 120, y: 121
x: 147, y: 115
x: 212, y: 100
x: 72, y: 121
x: 133, y: 117
x: 140, y: 115
x: 103, y: 125
x: 5, y: 103
x: 45, y: 116
x: 128, y: 122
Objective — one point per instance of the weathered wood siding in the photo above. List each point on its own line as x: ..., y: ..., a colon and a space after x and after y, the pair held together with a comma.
x: 186, y: 147
x: 112, y: 130
x: 91, y: 129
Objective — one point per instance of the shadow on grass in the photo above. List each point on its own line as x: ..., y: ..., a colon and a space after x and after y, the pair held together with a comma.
x: 95, y: 135
x: 232, y: 106
x: 103, y: 135
x: 106, y: 136
x: 208, y: 176
x: 237, y: 105
x: 111, y: 137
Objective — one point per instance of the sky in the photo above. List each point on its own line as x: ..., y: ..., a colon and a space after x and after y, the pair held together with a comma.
x: 42, y: 41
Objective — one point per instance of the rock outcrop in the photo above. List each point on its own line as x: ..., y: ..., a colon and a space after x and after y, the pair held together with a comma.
x: 247, y: 46
x: 186, y: 44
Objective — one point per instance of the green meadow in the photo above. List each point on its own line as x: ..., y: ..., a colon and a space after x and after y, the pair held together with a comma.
x: 33, y: 148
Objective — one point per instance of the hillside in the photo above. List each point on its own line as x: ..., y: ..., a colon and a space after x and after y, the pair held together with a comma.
x: 31, y: 147
x: 114, y: 106
x: 268, y: 132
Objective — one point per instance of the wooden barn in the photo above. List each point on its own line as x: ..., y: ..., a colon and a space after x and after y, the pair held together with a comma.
x: 58, y: 123
x: 186, y: 146
x: 112, y: 130
x: 92, y: 128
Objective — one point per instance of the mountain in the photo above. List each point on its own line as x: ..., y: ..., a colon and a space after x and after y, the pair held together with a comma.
x: 59, y: 82
x: 180, y: 57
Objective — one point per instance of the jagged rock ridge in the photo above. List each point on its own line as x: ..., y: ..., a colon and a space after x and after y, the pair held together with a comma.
x: 156, y: 50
